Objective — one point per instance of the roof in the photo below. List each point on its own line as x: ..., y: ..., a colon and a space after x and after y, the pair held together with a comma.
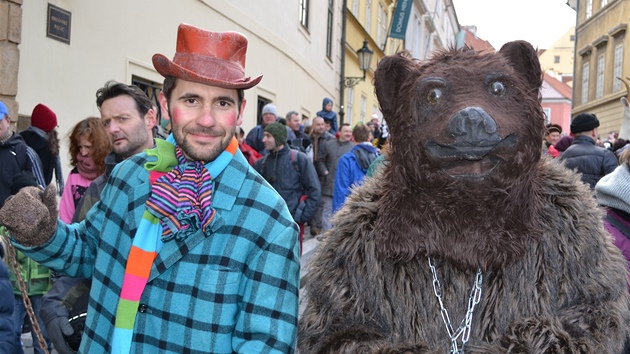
x: 553, y: 88
x: 475, y: 42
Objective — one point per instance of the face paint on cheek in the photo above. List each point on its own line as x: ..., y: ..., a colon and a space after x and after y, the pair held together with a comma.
x: 177, y: 116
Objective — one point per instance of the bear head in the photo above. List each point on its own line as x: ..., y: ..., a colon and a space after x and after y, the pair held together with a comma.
x: 466, y: 131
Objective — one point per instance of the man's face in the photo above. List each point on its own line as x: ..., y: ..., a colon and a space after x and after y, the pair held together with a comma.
x: 203, y: 118
x: 319, y: 127
x: 553, y: 137
x: 130, y: 132
x: 269, y: 118
x: 294, y: 122
x: 5, y: 125
x: 269, y: 141
x: 345, y: 134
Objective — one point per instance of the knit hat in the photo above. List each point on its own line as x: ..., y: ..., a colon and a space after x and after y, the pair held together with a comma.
x: 564, y: 143
x: 43, y: 118
x: 584, y: 122
x: 613, y: 190
x: 278, y: 131
x: 3, y: 110
x: 270, y: 108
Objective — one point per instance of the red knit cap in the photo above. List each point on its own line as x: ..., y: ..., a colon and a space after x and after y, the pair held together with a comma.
x: 43, y: 118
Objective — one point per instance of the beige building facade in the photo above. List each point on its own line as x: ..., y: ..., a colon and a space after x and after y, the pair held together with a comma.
x: 115, y: 40
x: 558, y: 60
x: 601, y: 52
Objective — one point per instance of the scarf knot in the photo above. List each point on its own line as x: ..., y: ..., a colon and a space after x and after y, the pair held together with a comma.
x: 182, y: 198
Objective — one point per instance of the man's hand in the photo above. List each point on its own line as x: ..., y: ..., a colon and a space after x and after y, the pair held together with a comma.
x: 58, y: 329
x: 31, y: 215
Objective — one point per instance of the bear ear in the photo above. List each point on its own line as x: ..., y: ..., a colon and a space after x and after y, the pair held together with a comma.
x: 390, y: 74
x: 524, y: 59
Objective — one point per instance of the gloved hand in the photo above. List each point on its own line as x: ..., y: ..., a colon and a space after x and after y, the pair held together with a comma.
x: 57, y: 328
x: 31, y: 215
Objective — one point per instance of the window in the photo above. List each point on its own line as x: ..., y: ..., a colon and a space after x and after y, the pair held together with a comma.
x: 589, y: 8
x: 547, y: 115
x: 379, y: 28
x: 304, y: 13
x: 329, y: 30
x: 368, y: 15
x: 355, y: 8
x: 617, y: 69
x: 599, y: 87
x: 572, y: 38
x: 385, y: 24
x: 556, y: 59
x: 363, y: 108
x: 350, y: 106
x: 585, y: 73
x: 604, y: 3
x: 152, y: 89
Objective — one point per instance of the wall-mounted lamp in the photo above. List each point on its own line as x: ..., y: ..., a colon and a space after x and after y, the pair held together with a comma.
x: 365, y: 58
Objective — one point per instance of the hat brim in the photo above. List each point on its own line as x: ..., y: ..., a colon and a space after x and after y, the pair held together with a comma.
x: 166, y: 67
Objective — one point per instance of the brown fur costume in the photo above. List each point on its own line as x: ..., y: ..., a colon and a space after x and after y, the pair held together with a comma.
x: 466, y: 185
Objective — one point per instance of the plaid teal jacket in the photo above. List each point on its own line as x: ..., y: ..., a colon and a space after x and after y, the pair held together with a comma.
x: 231, y: 290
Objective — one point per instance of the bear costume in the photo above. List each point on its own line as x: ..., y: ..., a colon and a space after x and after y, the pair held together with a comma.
x: 467, y: 239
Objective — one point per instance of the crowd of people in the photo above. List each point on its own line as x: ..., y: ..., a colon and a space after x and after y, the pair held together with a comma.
x: 189, y: 239
x: 144, y: 216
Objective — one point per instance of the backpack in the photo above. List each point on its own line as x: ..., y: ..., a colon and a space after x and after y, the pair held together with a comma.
x: 298, y: 144
x: 293, y: 162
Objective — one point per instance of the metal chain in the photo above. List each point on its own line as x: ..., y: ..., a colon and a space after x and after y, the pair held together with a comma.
x: 15, y: 267
x: 464, y: 327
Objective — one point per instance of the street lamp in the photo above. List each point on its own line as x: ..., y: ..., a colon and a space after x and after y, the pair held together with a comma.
x: 365, y: 58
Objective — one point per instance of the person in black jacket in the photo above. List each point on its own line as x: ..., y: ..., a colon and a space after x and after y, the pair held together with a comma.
x: 9, y: 338
x: 583, y: 156
x: 43, y: 137
x: 291, y: 173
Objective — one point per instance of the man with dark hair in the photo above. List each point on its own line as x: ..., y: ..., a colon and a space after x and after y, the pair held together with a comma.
x: 583, y: 156
x: 291, y: 174
x: 189, y: 249
x: 353, y: 166
x: 129, y: 117
x: 327, y: 162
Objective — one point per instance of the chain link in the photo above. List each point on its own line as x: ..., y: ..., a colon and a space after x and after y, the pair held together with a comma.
x: 15, y: 267
x: 464, y: 327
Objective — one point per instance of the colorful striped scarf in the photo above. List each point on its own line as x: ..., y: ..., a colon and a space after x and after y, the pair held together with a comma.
x: 179, y: 205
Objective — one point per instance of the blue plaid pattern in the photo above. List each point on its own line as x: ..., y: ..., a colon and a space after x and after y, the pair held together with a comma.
x: 233, y: 289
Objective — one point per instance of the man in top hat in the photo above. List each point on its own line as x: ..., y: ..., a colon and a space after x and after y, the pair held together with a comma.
x: 583, y: 156
x: 189, y: 250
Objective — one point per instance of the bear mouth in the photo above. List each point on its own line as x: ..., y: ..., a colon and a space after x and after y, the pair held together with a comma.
x: 469, y: 160
x: 472, y: 169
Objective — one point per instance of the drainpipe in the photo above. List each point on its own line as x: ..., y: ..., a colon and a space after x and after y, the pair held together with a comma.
x: 342, y: 71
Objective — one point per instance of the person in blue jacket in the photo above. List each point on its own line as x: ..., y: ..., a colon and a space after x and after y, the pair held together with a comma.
x: 353, y: 166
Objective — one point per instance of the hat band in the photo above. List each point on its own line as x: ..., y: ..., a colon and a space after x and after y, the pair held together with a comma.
x: 209, y: 67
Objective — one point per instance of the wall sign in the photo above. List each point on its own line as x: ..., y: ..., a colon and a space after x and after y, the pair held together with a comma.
x: 58, y: 24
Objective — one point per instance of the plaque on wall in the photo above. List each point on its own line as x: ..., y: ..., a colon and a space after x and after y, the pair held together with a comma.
x: 58, y: 24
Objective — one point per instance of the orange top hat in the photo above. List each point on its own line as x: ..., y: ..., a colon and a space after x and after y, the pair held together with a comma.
x: 210, y: 58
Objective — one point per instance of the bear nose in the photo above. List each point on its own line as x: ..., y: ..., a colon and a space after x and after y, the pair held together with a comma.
x: 472, y: 126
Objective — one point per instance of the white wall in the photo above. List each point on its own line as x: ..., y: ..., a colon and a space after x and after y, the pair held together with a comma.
x: 116, y: 39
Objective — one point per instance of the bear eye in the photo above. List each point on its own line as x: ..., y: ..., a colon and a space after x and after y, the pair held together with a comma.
x: 435, y: 96
x: 498, y: 89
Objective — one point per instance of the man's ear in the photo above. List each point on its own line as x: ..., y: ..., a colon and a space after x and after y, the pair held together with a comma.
x: 150, y: 118
x: 239, y: 119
